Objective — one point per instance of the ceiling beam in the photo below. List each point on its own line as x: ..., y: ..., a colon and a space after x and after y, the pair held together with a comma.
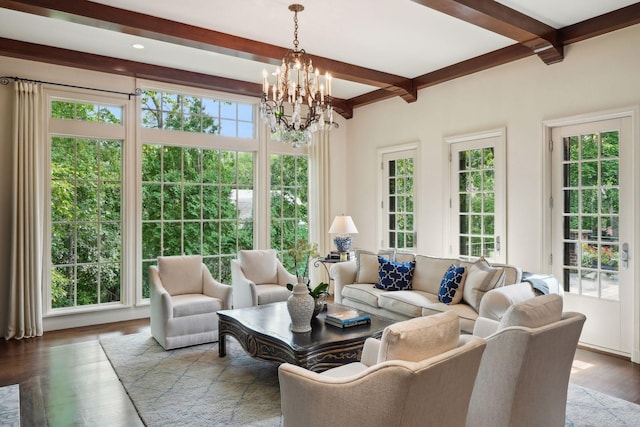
x: 541, y: 38
x: 612, y: 21
x: 142, y: 25
x: 106, y: 64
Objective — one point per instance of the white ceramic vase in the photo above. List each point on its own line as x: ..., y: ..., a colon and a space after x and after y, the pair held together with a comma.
x: 300, y: 305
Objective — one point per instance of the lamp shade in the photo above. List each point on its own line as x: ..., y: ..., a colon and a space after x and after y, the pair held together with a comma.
x: 343, y: 224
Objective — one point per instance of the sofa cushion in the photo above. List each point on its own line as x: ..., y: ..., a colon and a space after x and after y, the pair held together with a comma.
x: 364, y: 293
x: 429, y: 271
x: 534, y: 312
x: 394, y: 276
x: 407, y: 303
x: 420, y: 338
x: 367, y: 265
x: 451, y: 285
x: 259, y: 266
x: 181, y: 274
x: 481, y: 278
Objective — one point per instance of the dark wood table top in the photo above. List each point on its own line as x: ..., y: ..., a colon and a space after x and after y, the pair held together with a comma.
x: 262, y: 327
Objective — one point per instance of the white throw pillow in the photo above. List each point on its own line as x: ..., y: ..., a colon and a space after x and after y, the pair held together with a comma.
x: 259, y: 266
x: 481, y: 278
x: 420, y: 338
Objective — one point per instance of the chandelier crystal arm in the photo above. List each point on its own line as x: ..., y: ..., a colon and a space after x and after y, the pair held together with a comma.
x: 298, y: 103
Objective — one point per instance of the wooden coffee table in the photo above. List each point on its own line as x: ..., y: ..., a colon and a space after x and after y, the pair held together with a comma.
x: 264, y: 331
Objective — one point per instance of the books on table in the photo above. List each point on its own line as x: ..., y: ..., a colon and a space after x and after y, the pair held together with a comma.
x: 344, y: 317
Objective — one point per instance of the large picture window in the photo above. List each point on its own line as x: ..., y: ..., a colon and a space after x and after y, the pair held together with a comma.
x: 196, y: 201
x: 289, y: 202
x: 86, y: 178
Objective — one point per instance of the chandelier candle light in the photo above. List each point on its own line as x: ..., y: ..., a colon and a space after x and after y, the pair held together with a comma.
x: 297, y: 87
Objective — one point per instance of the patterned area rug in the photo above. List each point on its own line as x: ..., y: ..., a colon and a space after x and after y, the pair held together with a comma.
x: 193, y: 386
x: 10, y: 405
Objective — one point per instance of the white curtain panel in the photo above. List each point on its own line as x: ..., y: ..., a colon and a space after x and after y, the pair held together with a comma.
x: 319, y: 208
x: 24, y: 309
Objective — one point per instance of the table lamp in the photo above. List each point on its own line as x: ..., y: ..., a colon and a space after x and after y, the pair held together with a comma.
x: 342, y: 227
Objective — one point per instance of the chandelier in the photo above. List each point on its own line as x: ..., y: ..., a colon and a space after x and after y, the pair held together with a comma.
x: 297, y: 104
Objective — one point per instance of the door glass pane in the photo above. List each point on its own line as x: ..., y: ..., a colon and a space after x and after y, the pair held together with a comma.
x: 477, y: 202
x: 400, y: 184
x: 591, y: 215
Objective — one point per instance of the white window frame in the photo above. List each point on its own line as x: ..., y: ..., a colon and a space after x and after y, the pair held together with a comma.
x: 495, y: 138
x: 73, y: 128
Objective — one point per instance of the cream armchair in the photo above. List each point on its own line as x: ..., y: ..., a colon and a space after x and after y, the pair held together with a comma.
x: 185, y: 299
x: 258, y: 278
x: 524, y: 374
x: 420, y: 373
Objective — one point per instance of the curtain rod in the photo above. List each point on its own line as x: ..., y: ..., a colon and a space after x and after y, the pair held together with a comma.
x: 5, y: 81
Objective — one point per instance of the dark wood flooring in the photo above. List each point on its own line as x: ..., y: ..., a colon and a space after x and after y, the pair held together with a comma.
x: 79, y: 387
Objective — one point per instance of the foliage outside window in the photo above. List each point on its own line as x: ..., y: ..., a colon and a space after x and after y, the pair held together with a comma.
x: 94, y: 113
x: 86, y: 210
x: 86, y: 223
x: 476, y: 203
x: 400, y: 215
x: 175, y: 111
x: 591, y: 214
x: 289, y: 203
x: 196, y: 201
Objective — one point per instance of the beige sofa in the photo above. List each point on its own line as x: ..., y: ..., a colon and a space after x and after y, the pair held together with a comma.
x: 487, y: 290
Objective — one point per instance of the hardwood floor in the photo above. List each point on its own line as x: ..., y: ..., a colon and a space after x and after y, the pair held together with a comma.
x: 79, y: 387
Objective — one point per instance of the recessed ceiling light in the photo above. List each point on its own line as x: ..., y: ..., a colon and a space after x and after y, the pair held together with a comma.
x: 137, y: 46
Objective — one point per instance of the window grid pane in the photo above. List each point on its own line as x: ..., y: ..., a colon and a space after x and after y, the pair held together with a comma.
x: 174, y: 111
x: 400, y: 211
x: 86, y: 221
x: 289, y: 203
x: 476, y: 178
x: 196, y: 201
x: 591, y: 214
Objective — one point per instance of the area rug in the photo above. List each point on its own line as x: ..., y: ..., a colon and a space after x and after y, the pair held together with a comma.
x: 10, y: 405
x: 193, y: 386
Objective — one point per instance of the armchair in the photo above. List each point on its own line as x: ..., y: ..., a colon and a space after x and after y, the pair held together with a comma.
x: 524, y: 374
x: 185, y: 299
x: 420, y: 373
x: 258, y: 278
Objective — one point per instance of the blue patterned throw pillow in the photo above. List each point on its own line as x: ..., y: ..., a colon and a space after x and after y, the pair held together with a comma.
x: 451, y: 285
x: 394, y: 276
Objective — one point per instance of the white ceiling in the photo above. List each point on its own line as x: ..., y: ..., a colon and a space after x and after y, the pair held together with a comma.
x: 399, y: 37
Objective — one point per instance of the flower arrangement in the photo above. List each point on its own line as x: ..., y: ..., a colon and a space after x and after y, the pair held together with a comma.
x: 302, y: 251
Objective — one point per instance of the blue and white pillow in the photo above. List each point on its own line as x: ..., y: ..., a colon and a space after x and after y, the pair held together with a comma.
x: 394, y: 276
x: 451, y: 285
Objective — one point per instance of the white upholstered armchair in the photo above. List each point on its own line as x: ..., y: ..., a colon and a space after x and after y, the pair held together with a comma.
x: 420, y: 374
x: 185, y: 299
x: 524, y: 374
x: 258, y: 277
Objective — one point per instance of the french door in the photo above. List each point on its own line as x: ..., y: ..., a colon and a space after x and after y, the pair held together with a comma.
x: 593, y: 228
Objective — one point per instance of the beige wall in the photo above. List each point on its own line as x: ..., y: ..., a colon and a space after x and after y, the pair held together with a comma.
x: 596, y: 75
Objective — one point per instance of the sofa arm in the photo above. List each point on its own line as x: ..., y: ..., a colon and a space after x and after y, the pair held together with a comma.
x: 243, y: 290
x: 342, y: 273
x: 370, y: 352
x: 484, y: 327
x: 496, y: 302
x: 161, y: 305
x: 213, y: 288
